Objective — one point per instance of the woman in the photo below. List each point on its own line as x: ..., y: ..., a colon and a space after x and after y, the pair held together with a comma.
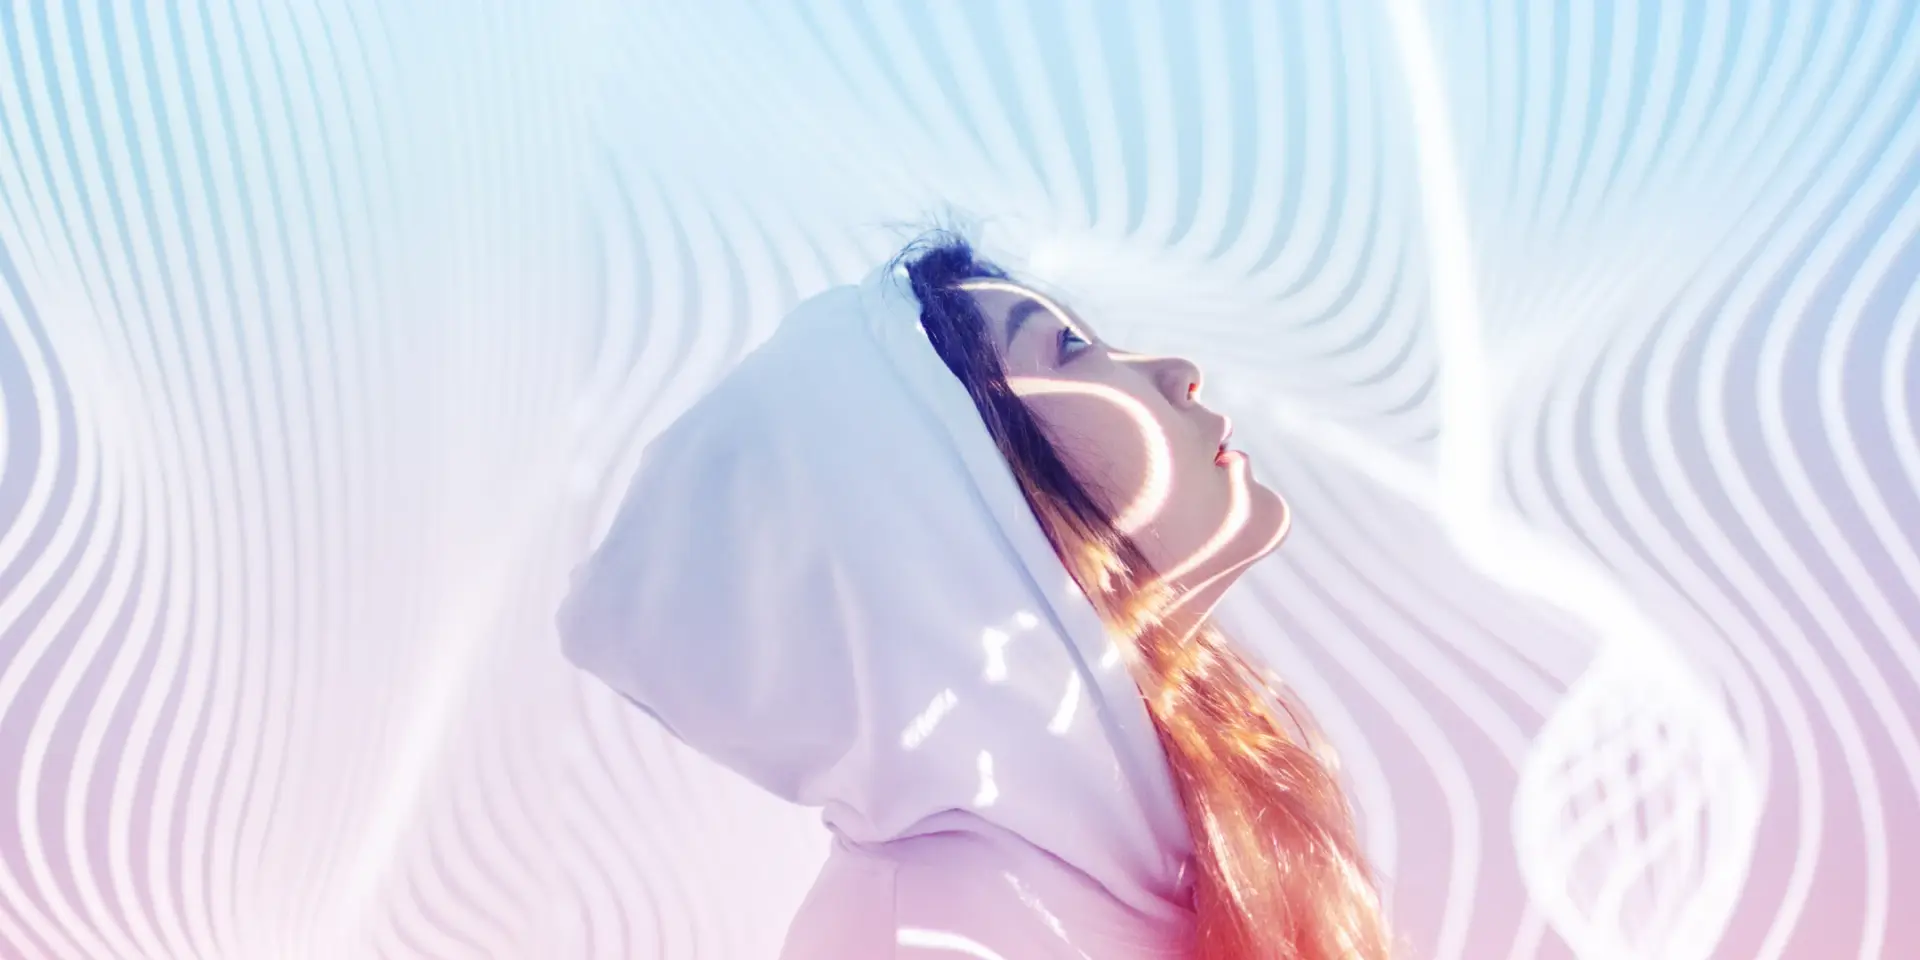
x: 938, y: 560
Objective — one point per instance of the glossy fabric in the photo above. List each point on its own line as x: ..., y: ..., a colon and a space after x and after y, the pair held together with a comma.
x: 825, y: 578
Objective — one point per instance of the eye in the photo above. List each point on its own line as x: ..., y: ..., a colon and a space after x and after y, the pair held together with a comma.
x: 1071, y: 343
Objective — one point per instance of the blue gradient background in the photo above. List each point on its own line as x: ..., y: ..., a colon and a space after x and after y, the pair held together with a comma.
x: 1581, y: 335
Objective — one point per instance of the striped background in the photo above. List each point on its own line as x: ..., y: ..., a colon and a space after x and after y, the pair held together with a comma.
x: 1582, y: 336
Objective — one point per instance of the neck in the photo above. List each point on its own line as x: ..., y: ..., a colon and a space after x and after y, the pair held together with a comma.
x: 1193, y: 605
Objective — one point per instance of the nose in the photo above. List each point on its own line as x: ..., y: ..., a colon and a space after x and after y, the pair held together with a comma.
x: 1178, y: 378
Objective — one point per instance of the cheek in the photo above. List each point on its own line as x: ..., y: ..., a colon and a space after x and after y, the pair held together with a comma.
x: 1170, y: 497
x: 1107, y: 449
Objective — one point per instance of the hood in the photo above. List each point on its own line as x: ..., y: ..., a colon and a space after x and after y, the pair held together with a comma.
x: 824, y: 577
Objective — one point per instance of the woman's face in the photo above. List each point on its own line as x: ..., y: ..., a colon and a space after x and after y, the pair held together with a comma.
x: 1132, y: 429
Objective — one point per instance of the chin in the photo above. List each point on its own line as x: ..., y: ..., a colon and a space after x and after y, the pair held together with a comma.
x: 1269, y: 519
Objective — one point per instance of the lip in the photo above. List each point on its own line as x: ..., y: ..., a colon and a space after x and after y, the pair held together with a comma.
x: 1220, y: 454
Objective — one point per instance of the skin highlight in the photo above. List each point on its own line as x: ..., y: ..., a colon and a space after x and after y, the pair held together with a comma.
x: 1136, y: 423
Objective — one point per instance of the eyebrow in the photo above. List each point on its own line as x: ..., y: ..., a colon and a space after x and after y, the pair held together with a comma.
x: 1019, y: 315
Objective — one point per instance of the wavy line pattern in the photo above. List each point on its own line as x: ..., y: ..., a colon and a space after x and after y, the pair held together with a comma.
x: 1584, y: 338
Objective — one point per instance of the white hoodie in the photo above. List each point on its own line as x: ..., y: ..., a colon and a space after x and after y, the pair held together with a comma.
x: 825, y: 577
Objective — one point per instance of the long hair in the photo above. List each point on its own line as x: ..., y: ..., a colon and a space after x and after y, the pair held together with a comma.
x: 1278, y: 874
